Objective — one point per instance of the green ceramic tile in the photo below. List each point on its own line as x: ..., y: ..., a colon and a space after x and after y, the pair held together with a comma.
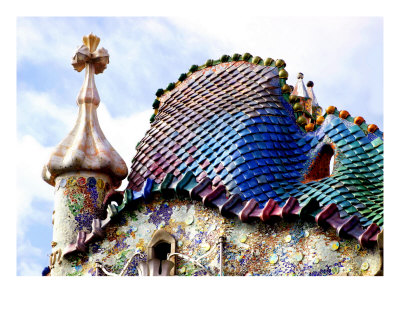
x: 368, y: 147
x: 353, y: 201
x: 374, y: 167
x: 376, y: 219
x: 351, y: 210
x: 348, y: 196
x: 341, y: 143
x: 377, y: 142
x: 326, y: 201
x: 359, y: 134
x: 354, y: 144
x: 353, y: 129
x: 372, y: 153
x: 350, y: 153
x: 363, y: 156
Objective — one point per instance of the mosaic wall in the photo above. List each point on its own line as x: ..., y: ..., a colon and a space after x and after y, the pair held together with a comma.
x: 295, y: 248
x: 83, y: 197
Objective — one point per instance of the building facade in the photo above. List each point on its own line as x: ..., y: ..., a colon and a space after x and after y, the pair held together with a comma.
x: 239, y: 174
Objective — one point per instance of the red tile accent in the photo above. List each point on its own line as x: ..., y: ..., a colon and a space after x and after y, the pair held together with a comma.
x: 219, y: 168
x: 189, y: 160
x: 216, y: 180
x: 201, y: 176
x: 192, y: 150
x: 205, y: 164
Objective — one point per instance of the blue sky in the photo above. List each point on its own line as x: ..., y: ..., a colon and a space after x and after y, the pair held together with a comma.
x: 342, y: 56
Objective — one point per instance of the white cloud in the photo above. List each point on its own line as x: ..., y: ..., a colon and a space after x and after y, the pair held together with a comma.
x: 43, y: 118
x: 293, y: 39
x: 337, y: 53
x: 31, y: 156
x: 48, y: 44
x: 41, y: 103
x: 29, y: 268
x: 27, y: 250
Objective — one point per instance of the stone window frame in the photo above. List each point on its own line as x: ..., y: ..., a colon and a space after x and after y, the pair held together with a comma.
x: 158, y: 237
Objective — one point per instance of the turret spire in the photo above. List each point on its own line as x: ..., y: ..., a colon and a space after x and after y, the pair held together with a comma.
x: 311, y: 93
x: 86, y: 147
x: 300, y: 89
x: 84, y: 167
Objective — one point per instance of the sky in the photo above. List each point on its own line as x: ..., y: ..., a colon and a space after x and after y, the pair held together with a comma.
x: 343, y: 56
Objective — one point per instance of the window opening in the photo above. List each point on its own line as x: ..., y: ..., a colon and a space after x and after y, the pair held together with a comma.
x: 161, y: 244
x: 161, y: 250
x: 322, y: 166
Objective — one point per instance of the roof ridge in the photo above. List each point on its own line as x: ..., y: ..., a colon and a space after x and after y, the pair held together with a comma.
x: 246, y: 57
x: 285, y: 88
x: 358, y: 120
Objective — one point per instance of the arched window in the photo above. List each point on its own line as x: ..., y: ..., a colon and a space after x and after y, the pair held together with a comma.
x: 322, y: 166
x: 160, y: 246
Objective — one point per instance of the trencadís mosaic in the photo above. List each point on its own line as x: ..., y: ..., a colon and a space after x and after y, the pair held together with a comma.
x: 83, y: 197
x: 286, y: 248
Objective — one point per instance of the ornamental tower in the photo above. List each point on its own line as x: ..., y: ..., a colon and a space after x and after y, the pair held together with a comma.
x: 84, y: 167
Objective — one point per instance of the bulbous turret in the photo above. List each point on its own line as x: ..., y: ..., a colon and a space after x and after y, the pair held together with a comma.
x: 86, y: 147
x: 84, y: 167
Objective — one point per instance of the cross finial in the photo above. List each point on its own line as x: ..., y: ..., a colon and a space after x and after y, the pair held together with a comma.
x: 89, y: 54
x: 95, y: 61
x: 91, y: 41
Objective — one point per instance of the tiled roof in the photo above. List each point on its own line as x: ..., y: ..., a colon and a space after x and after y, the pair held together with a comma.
x: 356, y: 185
x: 231, y: 123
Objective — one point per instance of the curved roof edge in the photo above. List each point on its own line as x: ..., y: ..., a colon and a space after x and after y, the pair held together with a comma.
x: 246, y: 57
x: 231, y: 205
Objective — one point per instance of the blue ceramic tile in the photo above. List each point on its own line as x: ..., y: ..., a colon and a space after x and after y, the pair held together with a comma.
x: 243, y: 168
x: 227, y: 161
x: 306, y: 148
x: 244, y: 149
x: 337, y: 138
x: 223, y: 173
x: 252, y: 147
x: 252, y: 183
x: 258, y: 137
x: 271, y: 194
x: 240, y: 160
x: 350, y: 139
x: 244, y: 187
x: 355, y: 128
x: 248, y: 156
